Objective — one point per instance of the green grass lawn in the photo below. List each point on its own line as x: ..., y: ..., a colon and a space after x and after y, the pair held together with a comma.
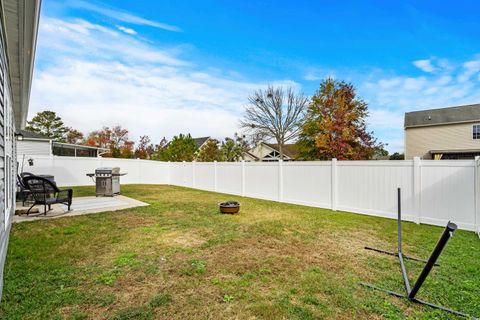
x: 180, y: 259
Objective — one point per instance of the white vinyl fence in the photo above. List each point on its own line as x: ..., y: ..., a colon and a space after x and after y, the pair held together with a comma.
x: 433, y: 192
x: 71, y: 171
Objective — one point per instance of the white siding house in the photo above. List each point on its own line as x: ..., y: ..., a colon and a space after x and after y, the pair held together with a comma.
x: 18, y: 34
x: 34, y: 148
x: 34, y: 144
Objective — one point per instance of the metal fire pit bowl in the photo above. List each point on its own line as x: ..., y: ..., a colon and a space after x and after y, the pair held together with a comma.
x: 230, y: 207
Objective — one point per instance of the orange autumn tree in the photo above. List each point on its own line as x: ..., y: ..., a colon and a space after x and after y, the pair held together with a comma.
x: 334, y: 126
x: 145, y: 148
x: 115, y: 139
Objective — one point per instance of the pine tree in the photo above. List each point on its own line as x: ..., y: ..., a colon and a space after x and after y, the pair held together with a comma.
x: 47, y: 123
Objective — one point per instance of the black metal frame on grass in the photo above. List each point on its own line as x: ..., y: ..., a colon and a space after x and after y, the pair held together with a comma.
x: 410, y: 293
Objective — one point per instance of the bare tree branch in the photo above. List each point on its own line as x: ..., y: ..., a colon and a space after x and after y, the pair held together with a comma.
x: 274, y: 114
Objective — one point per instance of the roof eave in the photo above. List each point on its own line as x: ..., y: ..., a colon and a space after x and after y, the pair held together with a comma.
x: 21, y: 30
x: 441, y: 124
x: 78, y: 146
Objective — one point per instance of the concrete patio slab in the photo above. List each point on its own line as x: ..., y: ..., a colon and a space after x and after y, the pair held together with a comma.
x: 80, y: 206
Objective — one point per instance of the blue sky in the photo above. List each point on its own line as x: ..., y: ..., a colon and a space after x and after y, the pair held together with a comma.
x: 165, y: 67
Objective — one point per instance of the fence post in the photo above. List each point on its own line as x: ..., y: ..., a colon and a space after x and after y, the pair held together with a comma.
x: 334, y: 184
x: 477, y: 195
x: 99, y: 162
x: 52, y: 162
x: 184, y: 174
x: 417, y: 189
x: 139, y: 163
x: 215, y: 175
x: 169, y: 178
x: 243, y: 178
x: 193, y: 174
x: 280, y: 180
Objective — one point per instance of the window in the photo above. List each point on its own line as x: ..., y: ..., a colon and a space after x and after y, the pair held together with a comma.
x: 476, y: 131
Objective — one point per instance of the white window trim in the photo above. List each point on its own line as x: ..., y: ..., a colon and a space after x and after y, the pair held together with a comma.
x: 473, y: 131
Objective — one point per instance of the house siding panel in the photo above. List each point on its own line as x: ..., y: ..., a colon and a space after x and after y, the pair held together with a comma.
x: 7, y: 155
x: 420, y: 140
x: 33, y: 148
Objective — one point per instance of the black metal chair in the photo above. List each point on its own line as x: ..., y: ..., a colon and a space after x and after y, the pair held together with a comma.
x: 26, y: 174
x: 24, y: 191
x: 46, y: 193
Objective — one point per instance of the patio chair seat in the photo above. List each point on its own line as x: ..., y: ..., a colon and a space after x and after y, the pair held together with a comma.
x: 53, y: 200
x: 46, y: 193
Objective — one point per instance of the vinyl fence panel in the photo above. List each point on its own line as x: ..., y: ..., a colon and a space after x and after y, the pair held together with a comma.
x: 308, y: 183
x: 262, y: 180
x: 229, y: 177
x: 370, y: 187
x: 448, y: 193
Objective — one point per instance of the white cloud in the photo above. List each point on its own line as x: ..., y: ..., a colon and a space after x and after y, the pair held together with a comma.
x: 126, y: 30
x: 94, y: 76
x: 81, y: 38
x: 122, y: 16
x: 424, y: 65
x: 316, y: 74
x: 310, y: 76
x: 470, y: 68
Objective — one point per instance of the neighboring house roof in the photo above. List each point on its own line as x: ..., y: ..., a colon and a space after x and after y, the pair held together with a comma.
x: 290, y: 150
x: 21, y: 28
x: 467, y: 113
x: 251, y: 155
x: 201, y: 141
x: 77, y: 146
x: 32, y: 135
x: 455, y: 151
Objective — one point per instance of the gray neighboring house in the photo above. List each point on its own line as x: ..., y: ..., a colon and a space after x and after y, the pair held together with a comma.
x: 18, y: 37
x: 447, y: 133
x: 35, y: 144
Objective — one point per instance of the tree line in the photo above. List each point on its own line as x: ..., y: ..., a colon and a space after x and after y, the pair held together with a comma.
x: 115, y: 140
x: 330, y: 124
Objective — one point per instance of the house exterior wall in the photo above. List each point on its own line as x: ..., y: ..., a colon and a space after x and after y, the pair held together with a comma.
x: 7, y: 154
x: 261, y: 150
x: 33, y: 147
x: 420, y: 140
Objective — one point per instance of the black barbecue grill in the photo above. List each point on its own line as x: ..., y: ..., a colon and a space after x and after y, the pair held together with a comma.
x: 107, y: 181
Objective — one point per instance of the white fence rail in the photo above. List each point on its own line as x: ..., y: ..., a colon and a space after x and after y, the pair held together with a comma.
x: 433, y: 192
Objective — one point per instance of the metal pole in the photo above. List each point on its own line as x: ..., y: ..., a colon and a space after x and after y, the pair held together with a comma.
x: 442, y: 242
x: 399, y: 220
x: 399, y: 242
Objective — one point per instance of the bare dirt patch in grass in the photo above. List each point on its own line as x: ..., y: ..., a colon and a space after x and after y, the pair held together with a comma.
x: 133, y: 220
x: 183, y: 239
